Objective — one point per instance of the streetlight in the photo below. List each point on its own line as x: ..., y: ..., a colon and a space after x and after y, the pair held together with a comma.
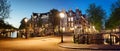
x: 94, y: 30
x: 62, y: 15
x: 34, y: 24
x: 26, y: 20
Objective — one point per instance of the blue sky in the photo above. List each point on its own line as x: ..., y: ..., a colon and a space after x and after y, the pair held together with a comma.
x: 24, y: 8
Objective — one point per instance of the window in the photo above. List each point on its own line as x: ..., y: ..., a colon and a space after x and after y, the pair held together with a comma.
x: 71, y: 18
x: 68, y: 19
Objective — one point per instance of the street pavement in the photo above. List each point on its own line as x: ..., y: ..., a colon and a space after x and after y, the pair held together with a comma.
x: 49, y: 43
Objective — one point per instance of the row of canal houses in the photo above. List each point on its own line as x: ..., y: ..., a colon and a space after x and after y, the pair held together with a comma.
x: 71, y: 21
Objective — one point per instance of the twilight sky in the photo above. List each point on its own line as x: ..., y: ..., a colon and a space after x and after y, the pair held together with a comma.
x: 25, y: 8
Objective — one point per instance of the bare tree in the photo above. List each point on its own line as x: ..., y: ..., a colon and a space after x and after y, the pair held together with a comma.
x: 4, y: 9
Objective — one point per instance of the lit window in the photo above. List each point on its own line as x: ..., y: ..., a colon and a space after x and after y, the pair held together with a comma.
x: 35, y: 17
x: 68, y: 19
x: 71, y: 18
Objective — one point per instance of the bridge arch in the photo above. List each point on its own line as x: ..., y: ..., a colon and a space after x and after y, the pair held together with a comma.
x: 111, y: 38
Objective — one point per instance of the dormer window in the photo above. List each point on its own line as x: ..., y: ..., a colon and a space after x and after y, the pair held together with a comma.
x: 34, y: 17
x: 70, y: 14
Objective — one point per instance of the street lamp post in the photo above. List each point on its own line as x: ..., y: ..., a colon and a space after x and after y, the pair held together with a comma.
x: 26, y: 20
x: 34, y: 24
x: 62, y: 15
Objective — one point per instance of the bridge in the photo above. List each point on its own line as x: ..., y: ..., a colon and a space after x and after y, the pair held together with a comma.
x: 110, y: 38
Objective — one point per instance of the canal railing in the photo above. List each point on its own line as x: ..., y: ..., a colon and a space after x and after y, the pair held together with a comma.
x: 97, y: 38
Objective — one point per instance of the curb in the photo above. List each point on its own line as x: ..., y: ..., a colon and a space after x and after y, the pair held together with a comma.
x: 60, y: 45
x: 90, y: 48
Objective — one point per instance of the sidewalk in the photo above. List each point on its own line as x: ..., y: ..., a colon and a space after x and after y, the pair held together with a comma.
x: 71, y: 45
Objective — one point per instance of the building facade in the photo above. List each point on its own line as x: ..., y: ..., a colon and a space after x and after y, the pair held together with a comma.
x: 74, y: 20
x: 39, y: 22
